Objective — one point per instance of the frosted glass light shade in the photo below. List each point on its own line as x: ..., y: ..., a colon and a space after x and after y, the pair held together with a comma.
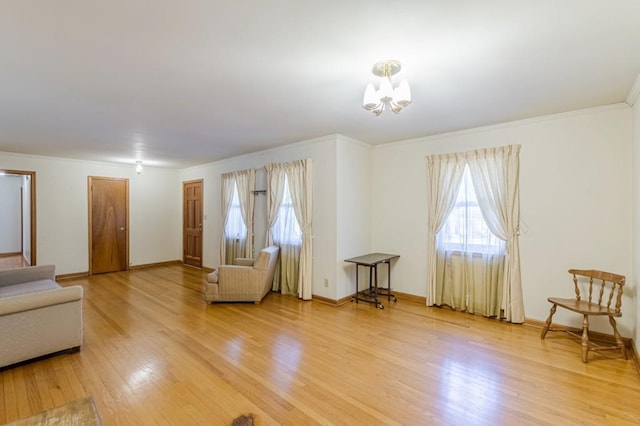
x: 370, y: 101
x: 386, y: 90
x: 402, y: 94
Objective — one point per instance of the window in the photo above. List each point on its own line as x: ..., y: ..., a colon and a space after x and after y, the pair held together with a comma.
x: 465, y: 229
x: 286, y: 230
x: 235, y: 227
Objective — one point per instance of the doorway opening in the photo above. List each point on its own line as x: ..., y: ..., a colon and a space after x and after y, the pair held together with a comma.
x: 18, y: 215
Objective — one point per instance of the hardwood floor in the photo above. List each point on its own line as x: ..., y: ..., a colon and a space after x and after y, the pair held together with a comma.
x: 155, y: 353
x: 13, y: 261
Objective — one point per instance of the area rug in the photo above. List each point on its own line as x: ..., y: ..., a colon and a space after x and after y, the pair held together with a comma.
x: 79, y: 412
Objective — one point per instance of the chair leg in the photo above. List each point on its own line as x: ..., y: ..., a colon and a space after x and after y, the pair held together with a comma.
x: 585, y: 338
x: 619, y: 342
x: 547, y: 324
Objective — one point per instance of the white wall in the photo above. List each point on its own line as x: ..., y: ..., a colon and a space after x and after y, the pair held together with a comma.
x: 323, y: 152
x: 575, y: 187
x: 10, y: 214
x: 636, y: 216
x: 62, y: 210
x: 353, y: 218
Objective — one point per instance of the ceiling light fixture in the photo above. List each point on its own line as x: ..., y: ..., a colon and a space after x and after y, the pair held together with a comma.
x: 139, y: 167
x: 386, y: 97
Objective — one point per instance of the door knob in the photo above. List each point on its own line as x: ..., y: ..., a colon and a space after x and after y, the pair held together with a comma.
x: 122, y: 228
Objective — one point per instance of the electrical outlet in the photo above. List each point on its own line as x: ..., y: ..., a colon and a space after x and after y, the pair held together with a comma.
x: 326, y: 282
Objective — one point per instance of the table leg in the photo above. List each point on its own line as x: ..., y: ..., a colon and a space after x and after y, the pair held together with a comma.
x: 357, y: 267
x: 389, y: 281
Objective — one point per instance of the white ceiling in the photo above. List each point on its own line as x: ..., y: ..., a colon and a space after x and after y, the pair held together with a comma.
x: 180, y: 83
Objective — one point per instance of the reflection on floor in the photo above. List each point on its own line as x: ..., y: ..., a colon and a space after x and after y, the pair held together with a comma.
x: 13, y: 261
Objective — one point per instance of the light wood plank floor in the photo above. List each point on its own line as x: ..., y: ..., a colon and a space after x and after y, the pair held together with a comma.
x: 155, y: 353
x: 10, y: 262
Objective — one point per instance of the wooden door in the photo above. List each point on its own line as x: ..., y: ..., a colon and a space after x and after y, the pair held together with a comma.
x: 192, y: 223
x: 108, y: 225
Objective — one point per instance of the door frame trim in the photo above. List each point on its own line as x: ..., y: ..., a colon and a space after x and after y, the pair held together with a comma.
x: 184, y: 229
x: 90, y: 180
x: 33, y: 210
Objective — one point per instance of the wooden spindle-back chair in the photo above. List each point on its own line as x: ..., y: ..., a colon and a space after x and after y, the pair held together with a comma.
x: 604, y: 298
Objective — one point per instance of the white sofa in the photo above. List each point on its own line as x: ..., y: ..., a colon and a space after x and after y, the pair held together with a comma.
x: 37, y: 316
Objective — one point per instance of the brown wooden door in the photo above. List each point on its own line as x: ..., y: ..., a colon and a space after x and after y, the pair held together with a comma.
x: 192, y: 223
x: 108, y: 225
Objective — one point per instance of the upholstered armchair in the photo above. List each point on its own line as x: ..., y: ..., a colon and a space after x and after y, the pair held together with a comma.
x: 247, y: 280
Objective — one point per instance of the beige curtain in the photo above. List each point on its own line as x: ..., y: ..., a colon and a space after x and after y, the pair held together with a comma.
x: 294, y: 272
x: 470, y: 282
x: 495, y: 175
x: 275, y: 191
x: 300, y: 180
x: 228, y: 183
x: 246, y: 182
x: 231, y: 246
x: 444, y: 174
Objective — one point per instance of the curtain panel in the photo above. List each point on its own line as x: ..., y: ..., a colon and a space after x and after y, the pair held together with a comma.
x: 444, y: 174
x: 275, y: 193
x: 246, y: 182
x: 228, y: 183
x: 458, y: 275
x: 495, y: 177
x: 232, y: 246
x: 295, y: 261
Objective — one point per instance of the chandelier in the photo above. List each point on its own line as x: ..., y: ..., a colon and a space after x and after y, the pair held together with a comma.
x: 386, y: 97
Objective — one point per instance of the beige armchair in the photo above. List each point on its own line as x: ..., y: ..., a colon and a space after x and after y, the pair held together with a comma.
x: 247, y: 280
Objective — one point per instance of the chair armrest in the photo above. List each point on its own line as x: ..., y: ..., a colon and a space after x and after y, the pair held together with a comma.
x: 243, y: 261
x: 30, y: 273
x: 39, y: 299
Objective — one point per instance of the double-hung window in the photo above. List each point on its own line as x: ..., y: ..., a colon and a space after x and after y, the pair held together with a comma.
x: 465, y: 230
x: 235, y: 229
x: 286, y: 229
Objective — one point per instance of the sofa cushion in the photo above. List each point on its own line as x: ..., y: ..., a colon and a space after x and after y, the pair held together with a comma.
x: 28, y: 287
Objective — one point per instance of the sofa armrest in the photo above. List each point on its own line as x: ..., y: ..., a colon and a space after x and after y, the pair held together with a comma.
x: 243, y: 261
x: 30, y: 273
x: 39, y: 299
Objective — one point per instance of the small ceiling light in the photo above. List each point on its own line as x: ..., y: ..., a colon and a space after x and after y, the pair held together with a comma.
x: 139, y: 167
x: 386, y: 97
